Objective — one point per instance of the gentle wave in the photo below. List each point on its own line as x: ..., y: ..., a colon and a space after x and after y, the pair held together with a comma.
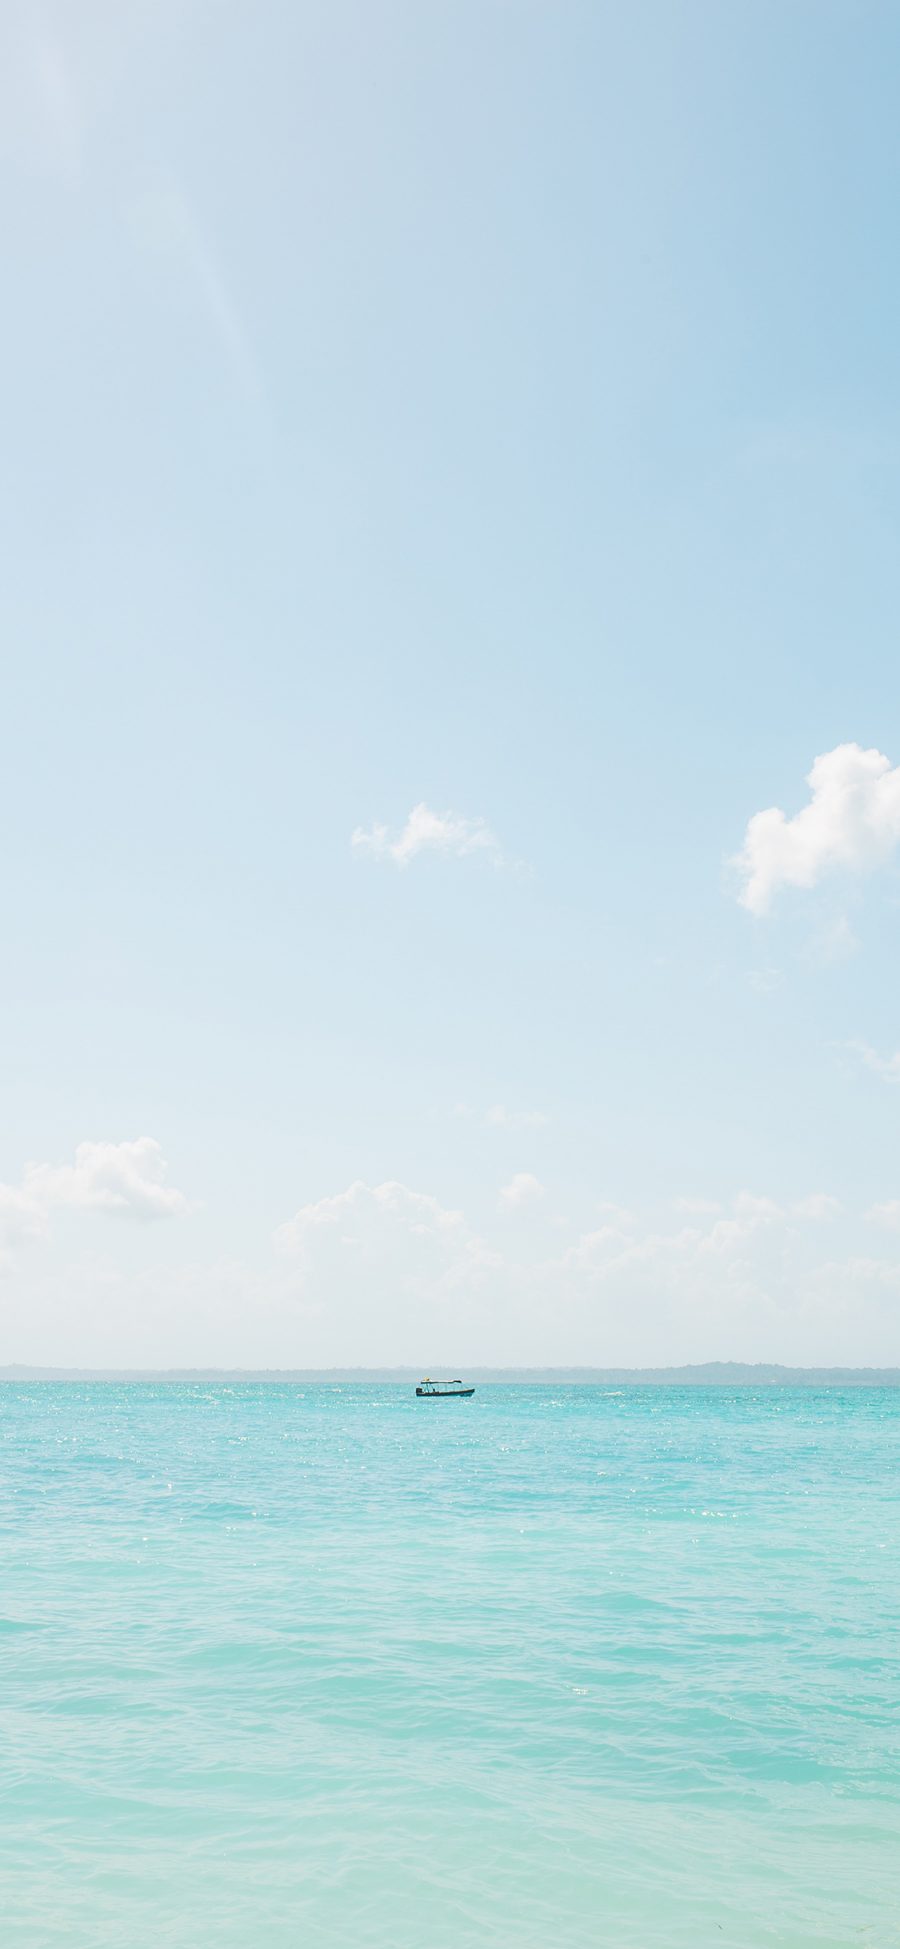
x: 547, y: 1669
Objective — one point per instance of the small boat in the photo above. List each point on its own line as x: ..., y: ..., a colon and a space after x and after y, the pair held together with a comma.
x: 444, y: 1390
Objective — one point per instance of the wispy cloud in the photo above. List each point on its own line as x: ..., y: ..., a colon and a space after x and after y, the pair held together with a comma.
x: 886, y: 1066
x: 429, y: 832
x: 616, y: 1214
x: 832, y: 943
x: 766, y: 981
x: 56, y: 92
x: 168, y: 224
x: 887, y: 1214
x: 42, y: 113
x: 852, y: 821
x: 500, y: 1118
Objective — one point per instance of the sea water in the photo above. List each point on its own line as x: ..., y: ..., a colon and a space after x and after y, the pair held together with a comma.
x: 550, y: 1668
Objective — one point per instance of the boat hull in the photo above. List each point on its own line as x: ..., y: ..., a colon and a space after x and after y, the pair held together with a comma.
x: 444, y: 1393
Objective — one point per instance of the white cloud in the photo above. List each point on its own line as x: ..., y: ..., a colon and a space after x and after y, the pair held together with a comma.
x: 385, y: 1273
x: 852, y: 821
x: 699, y: 1207
x: 127, y: 1178
x: 426, y: 831
x: 419, y: 1212
x: 887, y: 1214
x: 616, y: 1214
x: 523, y: 1189
x: 21, y: 1216
x: 819, y: 1205
x: 860, y: 1271
x: 749, y: 1214
x: 886, y: 1066
x: 382, y: 1273
x: 596, y: 1250
x: 749, y: 1286
x: 500, y: 1118
x: 765, y: 981
x: 754, y: 1210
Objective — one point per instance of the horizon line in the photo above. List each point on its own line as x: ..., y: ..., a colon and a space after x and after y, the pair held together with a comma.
x: 687, y: 1373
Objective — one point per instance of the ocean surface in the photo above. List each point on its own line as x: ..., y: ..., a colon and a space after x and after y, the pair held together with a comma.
x: 550, y: 1668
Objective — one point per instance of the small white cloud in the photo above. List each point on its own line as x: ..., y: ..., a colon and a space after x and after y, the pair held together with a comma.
x: 500, y: 1118
x: 852, y: 821
x: 419, y: 1212
x: 750, y: 1214
x: 429, y: 832
x: 819, y: 1205
x: 616, y: 1214
x: 887, y: 1214
x: 886, y: 1066
x: 595, y: 1251
x: 756, y: 1210
x: 766, y: 981
x: 523, y: 1189
x: 833, y: 943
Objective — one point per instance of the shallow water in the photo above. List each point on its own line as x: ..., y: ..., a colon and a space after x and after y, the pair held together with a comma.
x: 541, y: 1670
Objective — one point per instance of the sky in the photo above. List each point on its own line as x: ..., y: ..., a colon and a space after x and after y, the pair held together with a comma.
x: 449, y: 740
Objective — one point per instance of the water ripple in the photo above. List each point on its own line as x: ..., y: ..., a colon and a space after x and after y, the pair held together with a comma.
x: 549, y: 1669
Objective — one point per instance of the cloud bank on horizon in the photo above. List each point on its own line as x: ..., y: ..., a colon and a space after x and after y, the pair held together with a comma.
x: 384, y: 1273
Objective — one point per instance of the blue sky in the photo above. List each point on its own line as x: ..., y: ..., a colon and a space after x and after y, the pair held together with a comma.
x: 493, y: 409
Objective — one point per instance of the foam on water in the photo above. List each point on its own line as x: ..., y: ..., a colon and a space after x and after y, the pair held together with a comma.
x: 550, y: 1668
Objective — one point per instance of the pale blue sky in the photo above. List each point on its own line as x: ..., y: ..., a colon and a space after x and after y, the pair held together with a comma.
x: 493, y: 407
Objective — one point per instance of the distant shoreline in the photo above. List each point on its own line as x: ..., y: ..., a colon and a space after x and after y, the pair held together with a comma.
x: 713, y: 1373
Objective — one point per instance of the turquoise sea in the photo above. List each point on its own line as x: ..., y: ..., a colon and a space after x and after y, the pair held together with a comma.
x: 550, y: 1668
